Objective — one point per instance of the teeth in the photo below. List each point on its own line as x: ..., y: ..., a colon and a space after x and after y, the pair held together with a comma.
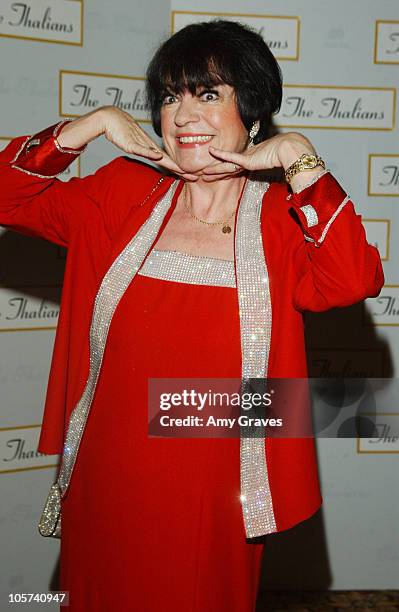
x: 187, y: 139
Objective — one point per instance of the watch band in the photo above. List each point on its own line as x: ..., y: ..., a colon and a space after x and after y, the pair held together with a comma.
x: 306, y: 161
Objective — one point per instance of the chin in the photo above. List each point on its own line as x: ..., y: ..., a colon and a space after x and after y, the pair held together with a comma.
x: 194, y: 167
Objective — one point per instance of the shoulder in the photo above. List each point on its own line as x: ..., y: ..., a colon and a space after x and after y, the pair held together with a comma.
x: 129, y: 166
x: 123, y: 181
x: 130, y: 174
x: 119, y: 187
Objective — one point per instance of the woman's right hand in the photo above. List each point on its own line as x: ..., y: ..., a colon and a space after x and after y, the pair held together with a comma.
x: 124, y: 132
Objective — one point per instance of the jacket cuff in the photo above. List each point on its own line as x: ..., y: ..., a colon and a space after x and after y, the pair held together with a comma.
x: 41, y: 155
x: 318, y: 205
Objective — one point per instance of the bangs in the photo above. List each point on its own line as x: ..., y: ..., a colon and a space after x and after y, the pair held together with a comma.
x: 191, y: 69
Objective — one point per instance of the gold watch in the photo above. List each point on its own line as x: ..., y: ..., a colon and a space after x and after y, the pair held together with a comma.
x: 307, y: 161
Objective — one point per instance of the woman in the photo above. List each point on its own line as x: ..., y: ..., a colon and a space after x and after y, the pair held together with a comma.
x: 204, y: 274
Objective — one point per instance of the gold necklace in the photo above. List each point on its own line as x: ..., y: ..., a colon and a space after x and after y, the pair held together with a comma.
x: 226, y: 229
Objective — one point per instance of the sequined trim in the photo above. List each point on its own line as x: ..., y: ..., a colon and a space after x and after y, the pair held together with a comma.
x: 256, y: 324
x: 332, y: 219
x: 50, y: 520
x: 255, y: 319
x: 310, y: 214
x: 45, y: 176
x: 18, y: 153
x: 112, y: 288
x: 32, y: 143
x: 62, y: 149
x: 312, y: 182
x: 191, y: 269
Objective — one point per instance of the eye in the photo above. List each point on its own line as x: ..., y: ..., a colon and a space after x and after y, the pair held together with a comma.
x: 168, y: 98
x: 209, y: 95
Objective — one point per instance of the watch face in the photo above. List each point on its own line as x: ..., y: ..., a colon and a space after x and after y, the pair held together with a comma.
x: 309, y: 161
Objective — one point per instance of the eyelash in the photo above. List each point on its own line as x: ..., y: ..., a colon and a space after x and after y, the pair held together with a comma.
x: 205, y: 91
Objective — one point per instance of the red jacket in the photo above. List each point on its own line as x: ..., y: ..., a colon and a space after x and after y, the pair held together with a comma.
x: 315, y: 248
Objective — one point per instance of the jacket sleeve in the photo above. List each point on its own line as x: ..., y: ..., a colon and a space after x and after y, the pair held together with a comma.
x: 33, y: 201
x: 335, y: 266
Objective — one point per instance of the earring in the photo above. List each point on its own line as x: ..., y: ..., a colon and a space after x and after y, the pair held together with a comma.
x: 254, y: 130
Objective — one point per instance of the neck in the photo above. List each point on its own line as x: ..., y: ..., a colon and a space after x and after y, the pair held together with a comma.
x: 213, y: 200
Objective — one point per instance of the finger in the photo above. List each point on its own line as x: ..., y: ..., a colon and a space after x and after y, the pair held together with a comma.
x: 169, y: 164
x: 144, y: 151
x: 222, y: 168
x: 216, y: 177
x: 229, y: 156
x: 162, y: 159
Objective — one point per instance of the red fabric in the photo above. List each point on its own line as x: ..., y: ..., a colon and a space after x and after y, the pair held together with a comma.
x: 96, y: 217
x: 324, y: 195
x: 172, y: 503
x: 43, y: 161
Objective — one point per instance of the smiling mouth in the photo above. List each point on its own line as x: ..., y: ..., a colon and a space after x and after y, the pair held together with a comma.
x: 194, y: 139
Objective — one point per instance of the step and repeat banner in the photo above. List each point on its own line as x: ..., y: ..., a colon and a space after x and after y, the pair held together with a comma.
x: 340, y: 63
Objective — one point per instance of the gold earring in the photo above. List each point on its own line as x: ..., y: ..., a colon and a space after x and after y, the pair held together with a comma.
x: 254, y: 130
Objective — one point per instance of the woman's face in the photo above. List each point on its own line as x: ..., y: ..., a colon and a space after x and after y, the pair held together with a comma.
x: 190, y: 124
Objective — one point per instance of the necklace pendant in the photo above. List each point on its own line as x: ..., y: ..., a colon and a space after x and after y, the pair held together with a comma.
x: 226, y: 229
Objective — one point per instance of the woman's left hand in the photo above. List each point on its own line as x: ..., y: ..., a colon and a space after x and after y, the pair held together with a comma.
x: 279, y: 151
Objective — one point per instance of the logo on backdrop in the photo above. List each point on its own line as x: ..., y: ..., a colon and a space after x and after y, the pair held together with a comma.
x: 384, y: 309
x: 81, y: 92
x: 58, y: 21
x: 281, y: 33
x: 383, y: 174
x: 359, y: 364
x: 333, y: 107
x: 384, y: 440
x: 386, y: 42
x: 378, y: 232
x: 345, y: 363
x: 18, y: 450
x: 21, y: 311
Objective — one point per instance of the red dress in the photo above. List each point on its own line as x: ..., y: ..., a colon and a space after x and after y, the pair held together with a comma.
x: 156, y: 523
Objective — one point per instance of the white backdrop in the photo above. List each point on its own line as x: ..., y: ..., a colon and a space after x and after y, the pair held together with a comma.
x: 340, y: 64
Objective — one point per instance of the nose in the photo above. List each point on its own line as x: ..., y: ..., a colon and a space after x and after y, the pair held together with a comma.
x: 187, y: 111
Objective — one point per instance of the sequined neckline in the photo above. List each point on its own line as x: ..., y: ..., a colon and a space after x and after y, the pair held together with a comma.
x: 191, y: 255
x: 191, y: 269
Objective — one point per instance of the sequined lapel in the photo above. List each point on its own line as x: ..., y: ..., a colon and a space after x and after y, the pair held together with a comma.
x: 127, y: 255
x: 255, y: 328
x: 113, y: 285
x: 137, y: 217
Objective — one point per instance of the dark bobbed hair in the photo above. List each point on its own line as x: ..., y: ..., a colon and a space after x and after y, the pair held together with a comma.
x: 215, y: 52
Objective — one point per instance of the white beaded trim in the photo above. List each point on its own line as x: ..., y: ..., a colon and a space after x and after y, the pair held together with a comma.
x: 61, y: 149
x: 255, y: 312
x: 312, y: 182
x: 113, y: 286
x: 335, y: 215
x: 36, y: 174
x: 190, y: 269
x: 20, y: 149
x: 32, y: 143
x: 310, y: 214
